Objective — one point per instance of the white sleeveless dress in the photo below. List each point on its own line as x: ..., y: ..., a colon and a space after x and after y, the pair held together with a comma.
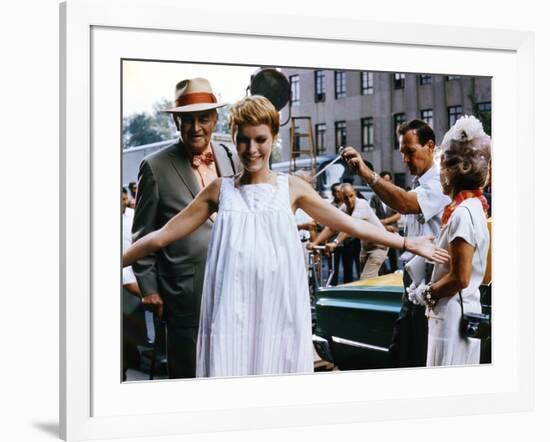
x: 255, y: 312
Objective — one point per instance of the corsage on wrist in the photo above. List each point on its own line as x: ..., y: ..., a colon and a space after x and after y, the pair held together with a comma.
x: 428, y: 297
x: 421, y: 295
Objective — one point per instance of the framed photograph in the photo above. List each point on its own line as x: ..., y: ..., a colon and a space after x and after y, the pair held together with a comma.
x: 97, y: 38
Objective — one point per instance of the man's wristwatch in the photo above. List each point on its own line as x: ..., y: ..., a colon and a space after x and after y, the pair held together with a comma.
x: 375, y: 179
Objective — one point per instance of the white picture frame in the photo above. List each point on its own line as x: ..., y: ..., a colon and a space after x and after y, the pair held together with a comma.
x: 94, y: 404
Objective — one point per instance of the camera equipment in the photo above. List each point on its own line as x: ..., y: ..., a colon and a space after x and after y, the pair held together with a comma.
x: 474, y: 325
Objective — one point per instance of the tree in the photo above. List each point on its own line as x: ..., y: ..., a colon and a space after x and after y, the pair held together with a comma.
x: 482, y: 115
x: 163, y: 120
x: 145, y: 128
x: 223, y: 120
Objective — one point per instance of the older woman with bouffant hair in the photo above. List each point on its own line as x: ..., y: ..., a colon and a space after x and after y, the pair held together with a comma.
x: 454, y: 287
x: 464, y: 162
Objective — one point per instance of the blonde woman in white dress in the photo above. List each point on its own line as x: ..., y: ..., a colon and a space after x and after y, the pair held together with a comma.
x: 255, y: 312
x: 465, y: 158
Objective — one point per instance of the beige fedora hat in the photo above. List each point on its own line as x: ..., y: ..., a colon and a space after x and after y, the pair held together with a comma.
x: 194, y: 95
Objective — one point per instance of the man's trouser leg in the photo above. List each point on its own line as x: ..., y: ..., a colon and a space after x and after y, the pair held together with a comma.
x: 392, y: 255
x: 410, y: 334
x: 372, y: 261
x: 350, y: 257
x: 181, y: 347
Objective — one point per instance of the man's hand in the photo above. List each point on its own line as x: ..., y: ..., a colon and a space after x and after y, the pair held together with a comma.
x: 329, y: 248
x: 154, y: 302
x: 354, y: 160
x: 391, y: 229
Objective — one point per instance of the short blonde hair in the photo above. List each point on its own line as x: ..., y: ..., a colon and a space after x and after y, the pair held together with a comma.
x: 253, y: 111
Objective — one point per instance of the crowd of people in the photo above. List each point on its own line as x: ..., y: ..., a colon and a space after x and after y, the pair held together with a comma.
x: 362, y: 258
x: 217, y: 250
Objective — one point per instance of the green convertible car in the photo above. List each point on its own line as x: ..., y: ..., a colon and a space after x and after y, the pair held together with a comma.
x: 354, y: 322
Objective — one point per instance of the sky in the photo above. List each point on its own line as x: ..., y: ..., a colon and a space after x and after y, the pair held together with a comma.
x: 145, y: 82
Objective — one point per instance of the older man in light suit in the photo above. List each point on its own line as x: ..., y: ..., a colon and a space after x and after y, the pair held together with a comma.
x: 171, y: 280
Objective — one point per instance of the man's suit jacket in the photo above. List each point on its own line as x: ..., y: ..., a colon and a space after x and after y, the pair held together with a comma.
x: 166, y: 185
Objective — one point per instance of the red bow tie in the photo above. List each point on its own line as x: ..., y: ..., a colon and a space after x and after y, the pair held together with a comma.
x: 205, y: 158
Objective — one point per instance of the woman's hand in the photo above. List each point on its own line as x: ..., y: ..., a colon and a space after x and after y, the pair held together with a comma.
x: 415, y: 294
x: 425, y: 247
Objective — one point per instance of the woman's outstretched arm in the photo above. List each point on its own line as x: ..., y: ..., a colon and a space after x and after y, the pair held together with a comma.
x: 184, y: 223
x: 304, y: 197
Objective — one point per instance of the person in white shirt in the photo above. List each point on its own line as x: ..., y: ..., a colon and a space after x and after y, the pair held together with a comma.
x: 372, y: 255
x: 128, y: 279
x: 389, y: 219
x: 454, y: 288
x: 132, y: 187
x: 421, y: 208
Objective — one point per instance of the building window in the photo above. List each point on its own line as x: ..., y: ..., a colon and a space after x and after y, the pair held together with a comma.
x: 427, y: 115
x: 397, y: 120
x: 398, y: 81
x: 320, y: 86
x: 425, y: 79
x: 367, y: 134
x: 341, y: 133
x: 367, y: 83
x: 320, y: 137
x: 484, y: 115
x: 294, y: 89
x: 453, y: 77
x: 339, y: 84
x: 454, y: 112
x: 484, y: 107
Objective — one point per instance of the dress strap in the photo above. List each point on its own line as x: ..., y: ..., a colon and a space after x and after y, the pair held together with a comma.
x: 228, y: 183
x: 283, y: 189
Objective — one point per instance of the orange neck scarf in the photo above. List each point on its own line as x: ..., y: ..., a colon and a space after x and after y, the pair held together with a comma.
x: 465, y: 194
